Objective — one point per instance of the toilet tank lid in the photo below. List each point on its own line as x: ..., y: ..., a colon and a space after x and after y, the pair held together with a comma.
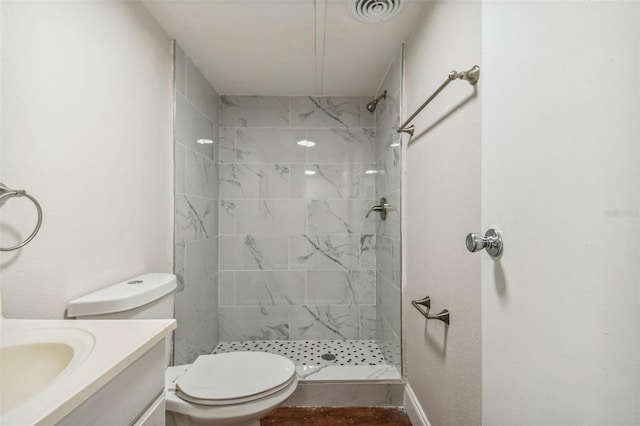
x: 129, y: 294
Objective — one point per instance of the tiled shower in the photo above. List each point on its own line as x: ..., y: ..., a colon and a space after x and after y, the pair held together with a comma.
x: 295, y: 258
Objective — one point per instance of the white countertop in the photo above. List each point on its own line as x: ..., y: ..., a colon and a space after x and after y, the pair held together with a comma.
x: 117, y: 344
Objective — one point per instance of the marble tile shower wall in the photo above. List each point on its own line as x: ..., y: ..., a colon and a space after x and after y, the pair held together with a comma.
x: 297, y: 256
x: 196, y: 211
x: 388, y: 151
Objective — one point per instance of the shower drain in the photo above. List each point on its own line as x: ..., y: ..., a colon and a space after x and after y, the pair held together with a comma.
x: 328, y: 357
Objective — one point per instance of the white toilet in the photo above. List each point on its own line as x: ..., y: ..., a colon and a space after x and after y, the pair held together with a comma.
x: 237, y: 388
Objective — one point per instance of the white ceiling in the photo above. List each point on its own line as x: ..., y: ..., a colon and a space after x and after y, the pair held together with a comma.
x: 285, y: 47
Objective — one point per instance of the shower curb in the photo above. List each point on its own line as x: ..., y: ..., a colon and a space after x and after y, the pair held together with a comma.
x: 348, y: 394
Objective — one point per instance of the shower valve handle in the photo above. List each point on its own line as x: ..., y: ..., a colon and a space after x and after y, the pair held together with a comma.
x: 382, y: 208
x: 374, y: 209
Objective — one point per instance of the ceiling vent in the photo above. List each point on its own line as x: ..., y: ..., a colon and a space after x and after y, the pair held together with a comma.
x: 374, y: 11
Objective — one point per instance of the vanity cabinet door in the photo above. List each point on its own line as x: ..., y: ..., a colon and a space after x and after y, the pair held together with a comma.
x: 155, y: 415
x: 126, y: 398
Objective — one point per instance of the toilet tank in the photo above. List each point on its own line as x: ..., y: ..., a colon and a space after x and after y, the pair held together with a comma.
x: 148, y: 296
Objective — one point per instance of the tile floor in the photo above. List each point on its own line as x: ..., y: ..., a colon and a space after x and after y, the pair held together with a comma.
x: 313, y: 352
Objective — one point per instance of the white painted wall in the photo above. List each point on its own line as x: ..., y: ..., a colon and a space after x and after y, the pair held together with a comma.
x: 561, y: 179
x: 442, y: 204
x: 86, y: 128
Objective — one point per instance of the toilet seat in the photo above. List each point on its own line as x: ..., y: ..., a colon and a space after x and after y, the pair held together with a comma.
x: 234, y: 378
x: 225, y: 415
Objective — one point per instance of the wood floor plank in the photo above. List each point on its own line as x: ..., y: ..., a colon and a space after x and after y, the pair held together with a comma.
x: 336, y: 416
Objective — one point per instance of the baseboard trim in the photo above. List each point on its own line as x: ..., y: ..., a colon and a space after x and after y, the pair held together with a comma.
x: 414, y: 409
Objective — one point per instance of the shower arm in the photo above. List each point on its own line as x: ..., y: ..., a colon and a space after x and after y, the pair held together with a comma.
x: 472, y: 76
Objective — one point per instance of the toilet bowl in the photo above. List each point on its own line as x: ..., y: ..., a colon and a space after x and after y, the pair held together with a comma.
x: 237, y: 388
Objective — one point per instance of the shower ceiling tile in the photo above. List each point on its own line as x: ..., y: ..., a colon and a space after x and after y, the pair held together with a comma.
x: 268, y: 47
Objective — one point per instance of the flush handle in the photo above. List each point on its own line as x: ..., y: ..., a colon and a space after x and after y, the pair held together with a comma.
x: 492, y: 242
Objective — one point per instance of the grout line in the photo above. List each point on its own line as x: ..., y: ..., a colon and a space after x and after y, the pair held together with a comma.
x: 235, y: 302
x: 235, y: 147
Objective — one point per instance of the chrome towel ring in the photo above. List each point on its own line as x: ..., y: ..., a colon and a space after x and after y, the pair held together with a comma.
x: 5, y: 194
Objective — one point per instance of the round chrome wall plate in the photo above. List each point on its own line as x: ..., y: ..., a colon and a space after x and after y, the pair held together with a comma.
x: 495, y: 245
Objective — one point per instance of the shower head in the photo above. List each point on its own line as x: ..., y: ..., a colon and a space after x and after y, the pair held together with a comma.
x: 371, y: 106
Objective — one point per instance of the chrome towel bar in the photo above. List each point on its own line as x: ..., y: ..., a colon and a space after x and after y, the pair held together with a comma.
x: 472, y: 76
x: 5, y: 194
x: 426, y: 302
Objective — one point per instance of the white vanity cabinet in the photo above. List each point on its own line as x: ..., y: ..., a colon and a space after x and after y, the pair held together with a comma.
x: 133, y: 397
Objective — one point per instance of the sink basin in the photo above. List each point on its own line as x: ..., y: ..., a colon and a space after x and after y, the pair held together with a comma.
x: 31, y: 360
x: 25, y: 369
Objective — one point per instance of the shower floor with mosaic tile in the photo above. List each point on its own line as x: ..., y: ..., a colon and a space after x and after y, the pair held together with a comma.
x: 319, y: 360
